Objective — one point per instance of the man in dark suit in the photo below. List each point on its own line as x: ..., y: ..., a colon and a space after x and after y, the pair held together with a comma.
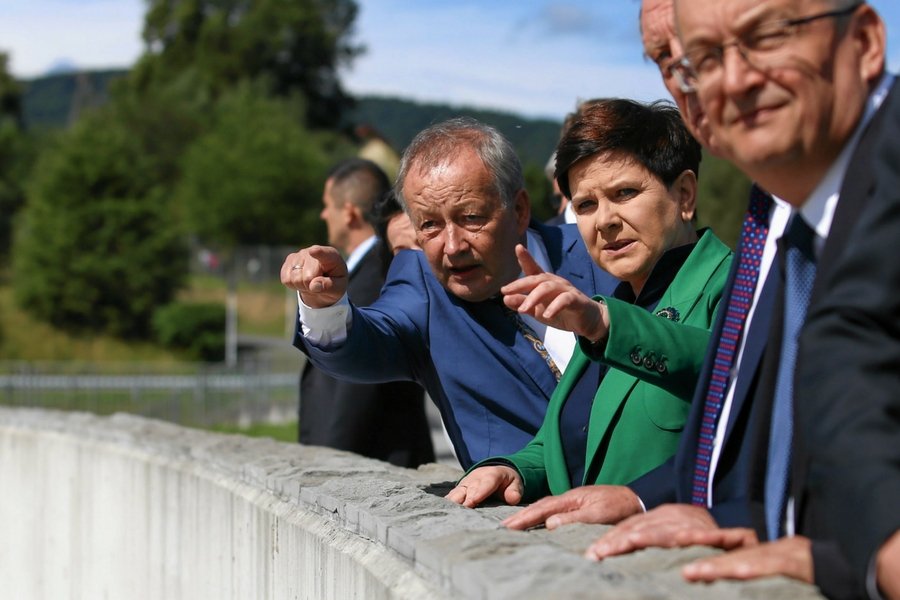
x: 848, y: 378
x: 788, y: 105
x: 789, y: 113
x: 440, y: 320
x: 384, y: 420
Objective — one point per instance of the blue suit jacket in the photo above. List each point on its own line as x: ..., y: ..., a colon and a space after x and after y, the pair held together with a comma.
x: 490, y: 385
x: 739, y: 478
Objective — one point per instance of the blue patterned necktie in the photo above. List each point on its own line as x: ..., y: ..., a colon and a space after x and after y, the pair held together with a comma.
x: 750, y: 250
x: 799, y: 274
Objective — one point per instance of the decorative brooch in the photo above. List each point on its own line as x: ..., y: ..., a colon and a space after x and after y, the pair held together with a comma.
x: 669, y: 312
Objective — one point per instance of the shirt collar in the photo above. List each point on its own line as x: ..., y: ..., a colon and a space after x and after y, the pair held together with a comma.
x: 818, y: 210
x: 537, y: 250
x: 359, y: 252
x: 661, y: 277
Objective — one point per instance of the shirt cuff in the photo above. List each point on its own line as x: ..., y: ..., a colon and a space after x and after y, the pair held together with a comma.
x: 325, y: 327
x: 872, y: 579
x: 641, y: 502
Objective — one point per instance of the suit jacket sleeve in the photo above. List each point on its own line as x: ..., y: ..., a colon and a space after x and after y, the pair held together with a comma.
x: 387, y: 341
x: 651, y: 348
x: 656, y: 487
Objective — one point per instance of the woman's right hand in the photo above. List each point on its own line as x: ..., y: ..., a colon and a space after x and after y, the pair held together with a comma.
x: 484, y: 482
x: 554, y: 301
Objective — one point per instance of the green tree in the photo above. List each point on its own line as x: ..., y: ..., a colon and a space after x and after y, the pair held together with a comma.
x: 293, y: 45
x: 539, y: 190
x: 722, y: 198
x: 256, y: 176
x: 15, y: 154
x: 10, y: 93
x: 96, y: 249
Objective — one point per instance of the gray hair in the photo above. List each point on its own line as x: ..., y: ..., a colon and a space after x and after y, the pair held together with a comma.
x: 439, y: 143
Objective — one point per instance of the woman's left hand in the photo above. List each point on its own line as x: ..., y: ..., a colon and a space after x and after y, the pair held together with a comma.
x: 554, y: 301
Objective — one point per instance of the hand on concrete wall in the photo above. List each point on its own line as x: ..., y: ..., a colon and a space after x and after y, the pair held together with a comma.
x: 659, y: 527
x: 484, y: 482
x: 586, y: 504
x: 747, y: 558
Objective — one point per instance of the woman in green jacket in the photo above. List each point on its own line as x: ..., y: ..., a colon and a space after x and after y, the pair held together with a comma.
x: 630, y: 171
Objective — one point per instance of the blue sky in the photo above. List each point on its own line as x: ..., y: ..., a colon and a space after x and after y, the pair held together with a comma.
x: 534, y: 57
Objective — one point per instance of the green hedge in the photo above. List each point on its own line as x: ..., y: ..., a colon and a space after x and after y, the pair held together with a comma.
x: 197, y: 329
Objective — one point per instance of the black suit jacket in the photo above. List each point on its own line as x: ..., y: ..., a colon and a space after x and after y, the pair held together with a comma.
x: 386, y: 421
x: 846, y: 478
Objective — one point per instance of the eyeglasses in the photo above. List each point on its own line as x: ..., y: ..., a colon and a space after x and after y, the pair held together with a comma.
x: 760, y: 47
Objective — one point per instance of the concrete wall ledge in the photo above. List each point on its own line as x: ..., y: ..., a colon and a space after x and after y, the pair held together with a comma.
x: 127, y: 507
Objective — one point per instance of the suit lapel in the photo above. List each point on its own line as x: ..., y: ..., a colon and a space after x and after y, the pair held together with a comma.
x: 560, y: 244
x: 608, y: 401
x: 755, y: 346
x: 856, y: 189
x: 687, y: 449
x: 497, y: 323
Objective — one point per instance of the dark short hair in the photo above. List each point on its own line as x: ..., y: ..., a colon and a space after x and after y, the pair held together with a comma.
x: 652, y: 134
x: 385, y: 209
x: 359, y: 181
x: 438, y: 143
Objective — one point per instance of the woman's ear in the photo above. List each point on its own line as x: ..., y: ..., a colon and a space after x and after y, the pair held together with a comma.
x: 684, y: 190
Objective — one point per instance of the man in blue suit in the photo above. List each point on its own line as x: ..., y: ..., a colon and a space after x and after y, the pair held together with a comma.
x: 440, y: 320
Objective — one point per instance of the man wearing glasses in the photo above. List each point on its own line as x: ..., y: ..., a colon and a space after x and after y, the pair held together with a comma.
x: 786, y: 91
x: 733, y: 472
x: 789, y: 90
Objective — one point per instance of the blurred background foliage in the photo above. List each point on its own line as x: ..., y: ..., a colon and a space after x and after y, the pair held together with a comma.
x: 219, y: 137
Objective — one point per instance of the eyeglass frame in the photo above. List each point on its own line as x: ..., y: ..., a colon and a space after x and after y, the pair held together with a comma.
x: 684, y: 70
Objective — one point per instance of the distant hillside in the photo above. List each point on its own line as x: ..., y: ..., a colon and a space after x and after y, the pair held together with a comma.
x: 52, y: 101
x: 399, y: 120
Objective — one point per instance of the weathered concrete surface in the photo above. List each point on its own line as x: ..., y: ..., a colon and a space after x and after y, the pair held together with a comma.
x: 126, y: 507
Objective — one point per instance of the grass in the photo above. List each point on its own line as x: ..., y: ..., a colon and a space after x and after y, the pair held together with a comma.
x: 286, y: 432
x: 261, y: 306
x: 261, y: 312
x: 24, y: 338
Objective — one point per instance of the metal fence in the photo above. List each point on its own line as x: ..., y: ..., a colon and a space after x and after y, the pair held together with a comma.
x: 191, y: 394
x: 262, y: 387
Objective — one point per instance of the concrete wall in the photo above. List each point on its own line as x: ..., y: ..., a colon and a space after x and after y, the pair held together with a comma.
x: 126, y: 507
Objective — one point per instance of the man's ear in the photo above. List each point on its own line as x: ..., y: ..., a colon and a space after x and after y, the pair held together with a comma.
x: 870, y: 38
x: 522, y: 206
x: 685, y: 191
x: 352, y: 215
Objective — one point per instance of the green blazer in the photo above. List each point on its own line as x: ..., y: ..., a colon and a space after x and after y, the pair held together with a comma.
x: 642, y: 403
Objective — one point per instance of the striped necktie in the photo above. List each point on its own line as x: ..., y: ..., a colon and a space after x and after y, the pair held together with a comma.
x: 750, y: 251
